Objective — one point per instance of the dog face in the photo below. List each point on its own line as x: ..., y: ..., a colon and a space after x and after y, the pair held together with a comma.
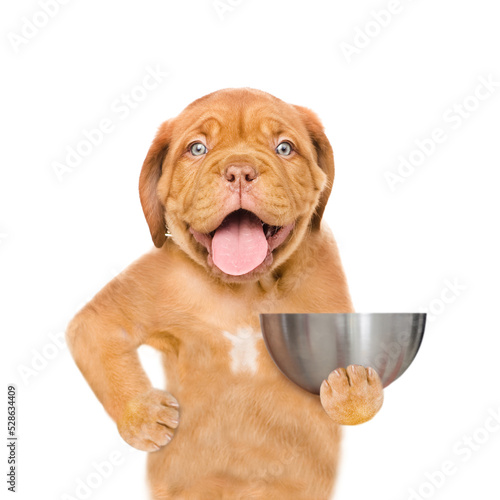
x: 239, y: 178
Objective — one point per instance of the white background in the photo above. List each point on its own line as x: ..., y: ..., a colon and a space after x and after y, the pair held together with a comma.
x: 62, y: 240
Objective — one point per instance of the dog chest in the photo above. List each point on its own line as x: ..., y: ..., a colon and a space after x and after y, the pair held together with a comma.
x: 243, y: 349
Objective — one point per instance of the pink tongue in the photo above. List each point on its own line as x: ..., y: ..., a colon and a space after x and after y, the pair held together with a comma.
x: 239, y: 245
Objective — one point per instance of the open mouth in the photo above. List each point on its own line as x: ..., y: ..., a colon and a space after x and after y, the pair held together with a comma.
x: 242, y: 243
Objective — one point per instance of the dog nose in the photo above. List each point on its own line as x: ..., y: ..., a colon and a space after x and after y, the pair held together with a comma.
x: 240, y: 174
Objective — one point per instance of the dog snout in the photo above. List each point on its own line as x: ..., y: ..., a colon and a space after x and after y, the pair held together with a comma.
x: 240, y: 175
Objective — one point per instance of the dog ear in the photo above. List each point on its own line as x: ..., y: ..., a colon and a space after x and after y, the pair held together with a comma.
x: 324, y: 158
x: 153, y: 208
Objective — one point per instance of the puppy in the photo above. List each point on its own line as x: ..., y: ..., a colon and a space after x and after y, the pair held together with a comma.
x: 238, y: 182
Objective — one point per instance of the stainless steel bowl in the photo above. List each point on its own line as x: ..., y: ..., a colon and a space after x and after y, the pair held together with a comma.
x: 308, y: 347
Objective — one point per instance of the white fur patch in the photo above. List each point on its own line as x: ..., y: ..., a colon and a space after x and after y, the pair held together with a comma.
x: 244, y: 351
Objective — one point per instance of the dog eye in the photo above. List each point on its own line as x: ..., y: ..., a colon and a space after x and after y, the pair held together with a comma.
x: 198, y: 149
x: 284, y: 148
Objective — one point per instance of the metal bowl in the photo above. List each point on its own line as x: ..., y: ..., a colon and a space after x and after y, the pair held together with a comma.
x: 308, y: 347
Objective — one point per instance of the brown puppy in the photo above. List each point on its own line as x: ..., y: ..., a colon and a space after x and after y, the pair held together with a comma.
x: 241, y: 180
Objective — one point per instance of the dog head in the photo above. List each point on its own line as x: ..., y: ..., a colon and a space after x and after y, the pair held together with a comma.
x: 239, y: 178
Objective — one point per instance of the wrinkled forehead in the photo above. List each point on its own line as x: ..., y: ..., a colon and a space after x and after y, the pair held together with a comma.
x: 239, y: 116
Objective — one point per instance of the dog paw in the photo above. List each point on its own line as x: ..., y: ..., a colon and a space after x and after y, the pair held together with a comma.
x: 149, y: 420
x: 352, y: 396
